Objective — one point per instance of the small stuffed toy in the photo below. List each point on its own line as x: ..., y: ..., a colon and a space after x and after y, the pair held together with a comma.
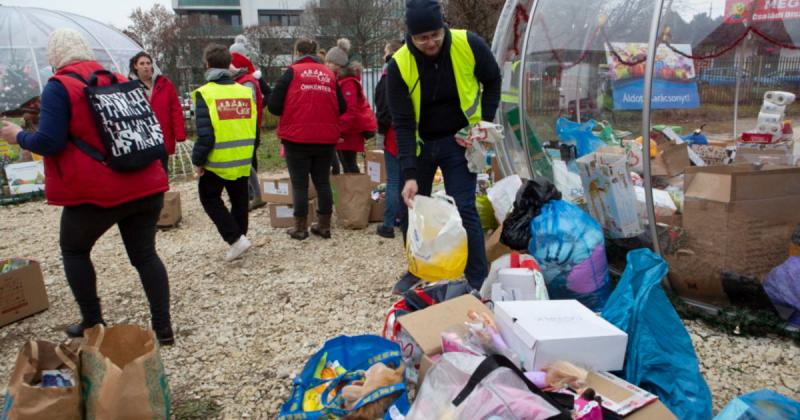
x: 376, y: 377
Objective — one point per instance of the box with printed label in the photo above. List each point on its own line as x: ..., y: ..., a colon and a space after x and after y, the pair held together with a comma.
x: 277, y: 188
x: 282, y: 215
x: 376, y: 166
x: 545, y: 331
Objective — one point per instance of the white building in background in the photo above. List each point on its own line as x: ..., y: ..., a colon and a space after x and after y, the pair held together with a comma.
x: 243, y: 13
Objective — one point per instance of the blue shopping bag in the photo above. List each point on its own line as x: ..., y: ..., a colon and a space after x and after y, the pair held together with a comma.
x: 354, y: 355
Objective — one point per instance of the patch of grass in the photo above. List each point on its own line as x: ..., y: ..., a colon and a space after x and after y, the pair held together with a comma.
x: 269, y: 157
x: 197, y: 410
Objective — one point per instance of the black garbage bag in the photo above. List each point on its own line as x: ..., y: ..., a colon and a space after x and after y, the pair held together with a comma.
x: 527, y: 205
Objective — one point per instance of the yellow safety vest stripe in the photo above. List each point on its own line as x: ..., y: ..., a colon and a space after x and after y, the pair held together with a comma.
x: 463, y: 59
x: 234, y: 138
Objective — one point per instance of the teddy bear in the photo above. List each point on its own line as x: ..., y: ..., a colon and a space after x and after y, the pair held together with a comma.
x: 377, y: 376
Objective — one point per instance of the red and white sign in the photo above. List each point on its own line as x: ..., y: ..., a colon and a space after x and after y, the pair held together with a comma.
x: 737, y: 11
x: 233, y: 109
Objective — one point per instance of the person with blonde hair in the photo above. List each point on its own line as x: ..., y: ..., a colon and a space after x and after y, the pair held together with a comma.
x: 94, y: 196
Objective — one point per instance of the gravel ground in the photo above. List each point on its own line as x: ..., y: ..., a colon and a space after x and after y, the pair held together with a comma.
x: 244, y: 328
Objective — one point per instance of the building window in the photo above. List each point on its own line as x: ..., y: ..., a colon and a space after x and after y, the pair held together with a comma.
x: 278, y: 18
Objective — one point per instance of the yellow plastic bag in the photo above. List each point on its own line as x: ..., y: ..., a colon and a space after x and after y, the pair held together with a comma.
x: 437, y: 241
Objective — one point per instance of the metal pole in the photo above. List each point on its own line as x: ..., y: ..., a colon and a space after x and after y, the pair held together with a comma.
x: 523, y: 103
x: 647, y: 99
x: 736, y: 58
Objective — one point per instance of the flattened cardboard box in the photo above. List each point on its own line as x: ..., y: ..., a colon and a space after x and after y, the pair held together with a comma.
x: 376, y: 166
x: 22, y: 293
x: 171, y: 213
x: 737, y: 219
x: 495, y: 249
x: 627, y: 400
x: 282, y: 215
x: 277, y: 188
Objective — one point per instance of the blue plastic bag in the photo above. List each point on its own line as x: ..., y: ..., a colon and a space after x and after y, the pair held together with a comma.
x: 355, y: 355
x: 570, y: 248
x: 579, y: 134
x: 763, y: 404
x: 660, y: 357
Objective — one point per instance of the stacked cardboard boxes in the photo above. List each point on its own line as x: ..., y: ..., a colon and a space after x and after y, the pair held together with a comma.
x: 276, y: 191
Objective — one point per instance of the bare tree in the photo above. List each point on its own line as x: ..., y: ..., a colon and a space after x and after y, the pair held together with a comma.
x: 479, y: 16
x: 156, y: 30
x: 369, y: 24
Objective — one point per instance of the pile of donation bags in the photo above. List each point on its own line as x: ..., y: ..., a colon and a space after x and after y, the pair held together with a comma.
x: 115, y: 373
x: 527, y: 358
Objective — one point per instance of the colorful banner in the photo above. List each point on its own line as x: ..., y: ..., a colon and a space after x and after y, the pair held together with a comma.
x: 674, y: 81
x: 738, y: 11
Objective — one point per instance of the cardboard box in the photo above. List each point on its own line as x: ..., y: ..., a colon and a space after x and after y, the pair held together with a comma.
x: 626, y: 399
x: 22, y: 293
x: 425, y: 327
x: 494, y: 249
x: 737, y: 219
x: 282, y: 215
x: 376, y: 211
x: 775, y: 154
x: 376, y: 166
x: 671, y: 160
x: 545, y: 331
x: 277, y: 188
x: 171, y: 213
x: 609, y: 192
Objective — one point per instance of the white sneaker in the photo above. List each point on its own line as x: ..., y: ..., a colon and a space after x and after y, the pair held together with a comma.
x: 238, y: 248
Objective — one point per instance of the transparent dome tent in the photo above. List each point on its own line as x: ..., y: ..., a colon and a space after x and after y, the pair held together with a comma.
x: 24, y: 68
x: 637, y: 66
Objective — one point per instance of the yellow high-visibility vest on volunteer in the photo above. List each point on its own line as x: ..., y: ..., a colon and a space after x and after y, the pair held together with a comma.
x: 233, y: 117
x: 463, y: 59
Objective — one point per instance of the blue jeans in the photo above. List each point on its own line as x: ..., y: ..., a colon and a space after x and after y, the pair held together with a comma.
x: 460, y: 184
x: 392, y: 189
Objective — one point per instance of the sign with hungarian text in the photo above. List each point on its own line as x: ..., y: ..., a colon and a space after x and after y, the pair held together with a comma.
x: 738, y: 11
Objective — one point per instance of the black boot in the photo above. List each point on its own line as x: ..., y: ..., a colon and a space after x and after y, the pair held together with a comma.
x: 76, y: 330
x: 165, y: 336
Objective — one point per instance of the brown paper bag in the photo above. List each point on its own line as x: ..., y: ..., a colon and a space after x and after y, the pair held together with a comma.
x: 26, y: 400
x: 352, y: 200
x: 122, y: 374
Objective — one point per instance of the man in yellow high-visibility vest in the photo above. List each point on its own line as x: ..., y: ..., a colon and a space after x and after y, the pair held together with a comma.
x: 226, y: 133
x: 440, y: 82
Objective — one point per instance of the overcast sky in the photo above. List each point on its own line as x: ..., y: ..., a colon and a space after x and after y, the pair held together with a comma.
x: 115, y: 12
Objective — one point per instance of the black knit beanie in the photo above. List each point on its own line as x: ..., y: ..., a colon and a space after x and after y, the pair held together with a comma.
x: 423, y: 16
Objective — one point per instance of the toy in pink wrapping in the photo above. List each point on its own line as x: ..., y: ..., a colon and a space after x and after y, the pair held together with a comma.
x: 496, y: 392
x: 587, y: 410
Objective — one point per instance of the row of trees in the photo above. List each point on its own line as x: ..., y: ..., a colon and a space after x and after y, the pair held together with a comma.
x: 176, y: 42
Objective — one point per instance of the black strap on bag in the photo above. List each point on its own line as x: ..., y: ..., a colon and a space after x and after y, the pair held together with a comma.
x: 132, y: 138
x: 494, y: 362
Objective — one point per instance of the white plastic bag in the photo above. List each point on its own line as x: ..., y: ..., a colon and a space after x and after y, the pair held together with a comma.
x: 501, y: 394
x: 503, y: 194
x: 478, y: 140
x: 437, y: 241
x: 492, y: 282
x: 569, y: 183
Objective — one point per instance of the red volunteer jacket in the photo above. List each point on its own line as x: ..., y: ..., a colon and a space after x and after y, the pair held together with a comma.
x: 247, y: 77
x: 311, y: 108
x: 72, y: 177
x: 169, y: 112
x: 358, y: 118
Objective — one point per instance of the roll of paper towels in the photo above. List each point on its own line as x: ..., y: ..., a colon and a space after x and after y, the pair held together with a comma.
x: 770, y: 108
x: 765, y: 118
x: 778, y: 97
x: 769, y: 128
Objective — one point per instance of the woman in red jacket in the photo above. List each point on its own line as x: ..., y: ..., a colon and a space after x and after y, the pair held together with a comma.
x: 95, y: 198
x: 164, y: 100
x: 358, y: 123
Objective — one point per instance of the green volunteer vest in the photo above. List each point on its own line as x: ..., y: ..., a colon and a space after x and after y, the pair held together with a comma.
x: 469, y: 90
x: 233, y: 117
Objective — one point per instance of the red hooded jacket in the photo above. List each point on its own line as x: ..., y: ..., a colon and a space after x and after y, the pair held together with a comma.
x: 311, y: 107
x: 245, y: 78
x: 169, y: 112
x: 72, y: 177
x: 358, y: 118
